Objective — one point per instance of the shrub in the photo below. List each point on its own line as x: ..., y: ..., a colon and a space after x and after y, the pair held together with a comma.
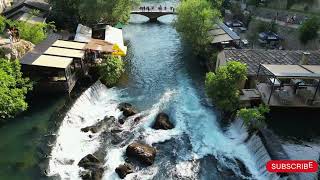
x: 2, y: 24
x: 111, y: 70
x: 223, y: 86
x: 253, y: 118
x: 309, y: 30
x: 13, y: 89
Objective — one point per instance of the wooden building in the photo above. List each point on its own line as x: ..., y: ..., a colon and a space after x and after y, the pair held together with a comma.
x: 56, y: 65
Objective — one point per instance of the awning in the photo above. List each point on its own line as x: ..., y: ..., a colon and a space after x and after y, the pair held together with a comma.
x: 52, y: 61
x: 99, y: 45
x: 69, y: 44
x: 73, y: 53
x: 293, y: 71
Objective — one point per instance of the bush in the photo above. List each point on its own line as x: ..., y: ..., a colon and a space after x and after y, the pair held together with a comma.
x: 253, y: 118
x: 223, y: 87
x: 2, y: 24
x: 309, y: 30
x: 13, y: 89
x: 34, y: 33
x: 111, y: 70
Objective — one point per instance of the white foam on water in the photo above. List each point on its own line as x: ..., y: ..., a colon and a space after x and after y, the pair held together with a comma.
x: 71, y: 143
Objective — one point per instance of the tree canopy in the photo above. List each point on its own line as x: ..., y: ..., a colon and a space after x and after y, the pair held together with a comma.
x: 92, y: 12
x: 195, y: 19
x: 253, y: 117
x: 309, y: 30
x: 223, y: 86
x: 111, y: 70
x: 13, y: 89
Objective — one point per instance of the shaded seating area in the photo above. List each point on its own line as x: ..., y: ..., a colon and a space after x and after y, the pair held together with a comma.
x: 56, y: 65
x: 289, y: 85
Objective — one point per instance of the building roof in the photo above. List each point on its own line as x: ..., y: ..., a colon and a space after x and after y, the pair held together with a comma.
x: 83, y: 33
x: 26, y: 6
x: 69, y: 44
x: 292, y: 71
x: 64, y: 52
x: 222, y: 33
x: 254, y: 57
x: 52, y: 61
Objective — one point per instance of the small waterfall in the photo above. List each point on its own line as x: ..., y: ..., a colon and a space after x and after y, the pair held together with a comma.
x: 72, y: 144
x: 258, y: 150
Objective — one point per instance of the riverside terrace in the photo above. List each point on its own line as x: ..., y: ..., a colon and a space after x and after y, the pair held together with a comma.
x: 289, y: 85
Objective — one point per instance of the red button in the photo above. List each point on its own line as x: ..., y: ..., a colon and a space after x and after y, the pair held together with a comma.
x: 294, y: 166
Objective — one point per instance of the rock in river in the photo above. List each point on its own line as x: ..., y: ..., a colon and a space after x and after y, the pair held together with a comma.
x: 127, y: 109
x: 89, y: 161
x: 93, y: 166
x: 162, y: 122
x: 142, y: 152
x: 101, y: 125
x: 124, y: 170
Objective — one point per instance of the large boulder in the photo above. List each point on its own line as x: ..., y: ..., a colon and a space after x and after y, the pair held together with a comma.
x: 89, y: 162
x: 124, y: 169
x: 93, y: 167
x: 142, y: 152
x: 93, y: 174
x: 101, y: 125
x: 17, y: 50
x: 162, y: 122
x: 127, y: 109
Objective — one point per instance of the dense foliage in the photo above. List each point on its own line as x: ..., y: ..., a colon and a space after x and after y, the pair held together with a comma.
x: 71, y: 12
x: 2, y: 24
x: 223, y: 86
x: 13, y: 89
x: 267, y: 26
x: 34, y: 33
x: 111, y: 70
x: 309, y: 30
x: 195, y: 19
x: 253, y: 117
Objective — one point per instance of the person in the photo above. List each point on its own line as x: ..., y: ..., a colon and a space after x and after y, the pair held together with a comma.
x: 10, y: 35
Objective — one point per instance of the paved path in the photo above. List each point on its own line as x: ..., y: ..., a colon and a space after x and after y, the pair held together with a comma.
x: 281, y: 23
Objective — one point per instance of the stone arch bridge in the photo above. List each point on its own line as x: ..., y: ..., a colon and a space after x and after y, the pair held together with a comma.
x: 153, y: 15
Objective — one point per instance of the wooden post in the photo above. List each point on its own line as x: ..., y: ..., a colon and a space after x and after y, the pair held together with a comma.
x: 274, y: 80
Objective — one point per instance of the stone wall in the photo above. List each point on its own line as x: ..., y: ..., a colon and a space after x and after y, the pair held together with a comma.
x: 4, y: 4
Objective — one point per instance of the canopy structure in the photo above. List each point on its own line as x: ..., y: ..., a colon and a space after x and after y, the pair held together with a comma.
x: 69, y: 44
x: 115, y: 37
x: 64, y: 52
x: 293, y: 71
x: 99, y: 45
x: 52, y: 61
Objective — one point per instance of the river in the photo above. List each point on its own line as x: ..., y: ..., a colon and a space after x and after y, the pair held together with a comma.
x: 161, y: 75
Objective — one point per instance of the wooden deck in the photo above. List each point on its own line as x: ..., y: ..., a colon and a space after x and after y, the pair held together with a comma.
x: 288, y: 99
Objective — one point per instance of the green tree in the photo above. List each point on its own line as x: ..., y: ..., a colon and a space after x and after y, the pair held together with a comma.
x: 223, y: 86
x: 13, y: 89
x: 195, y: 19
x: 111, y: 70
x: 253, y: 118
x: 92, y: 12
x: 309, y: 30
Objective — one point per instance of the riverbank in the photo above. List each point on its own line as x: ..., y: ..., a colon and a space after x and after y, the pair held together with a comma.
x: 26, y: 140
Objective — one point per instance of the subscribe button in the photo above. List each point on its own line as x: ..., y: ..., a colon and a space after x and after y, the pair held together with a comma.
x: 294, y: 166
